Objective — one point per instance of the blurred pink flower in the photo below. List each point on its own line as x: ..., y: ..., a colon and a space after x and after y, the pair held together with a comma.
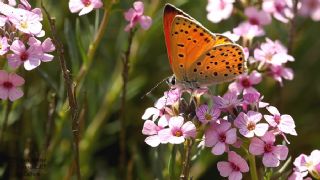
x: 151, y: 129
x: 29, y: 58
x: 272, y: 52
x: 248, y: 124
x: 219, y: 10
x: 248, y: 31
x: 206, y: 115
x: 245, y: 82
x: 135, y: 15
x: 84, y: 6
x: 298, y: 176
x: 227, y: 102
x: 4, y: 46
x: 232, y: 36
x: 220, y: 136
x: 26, y: 21
x: 277, y: 72
x: 280, y: 9
x: 9, y: 84
x: 177, y: 131
x: 310, y: 8
x: 283, y: 122
x: 46, y: 46
x: 256, y: 17
x: 234, y: 168
x: 271, y: 153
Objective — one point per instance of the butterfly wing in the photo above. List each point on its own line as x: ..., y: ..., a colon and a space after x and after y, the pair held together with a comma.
x: 222, y: 39
x: 188, y: 41
x: 219, y: 64
x: 170, y: 12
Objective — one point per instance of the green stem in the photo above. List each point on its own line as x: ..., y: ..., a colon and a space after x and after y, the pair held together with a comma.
x: 186, y: 162
x: 253, y: 168
x: 94, y: 45
x: 5, y: 121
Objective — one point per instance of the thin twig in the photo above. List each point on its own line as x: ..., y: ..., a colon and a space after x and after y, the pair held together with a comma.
x: 48, y: 131
x: 70, y: 89
x: 125, y: 77
x: 292, y: 30
x: 5, y: 121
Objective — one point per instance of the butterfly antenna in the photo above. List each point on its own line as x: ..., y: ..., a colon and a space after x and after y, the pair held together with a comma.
x: 153, y: 88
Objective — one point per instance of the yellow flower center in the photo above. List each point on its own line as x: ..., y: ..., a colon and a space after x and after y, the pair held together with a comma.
x: 24, y: 24
x: 208, y: 117
x: 251, y: 126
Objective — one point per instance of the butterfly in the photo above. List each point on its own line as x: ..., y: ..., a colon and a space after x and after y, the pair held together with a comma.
x: 199, y: 58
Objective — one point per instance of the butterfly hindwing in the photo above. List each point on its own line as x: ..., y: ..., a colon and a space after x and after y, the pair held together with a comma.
x: 188, y: 41
x: 222, y: 39
x: 219, y: 64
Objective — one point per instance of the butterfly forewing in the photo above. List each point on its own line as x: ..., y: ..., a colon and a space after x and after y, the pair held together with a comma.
x: 188, y: 41
x: 219, y: 64
x: 170, y: 12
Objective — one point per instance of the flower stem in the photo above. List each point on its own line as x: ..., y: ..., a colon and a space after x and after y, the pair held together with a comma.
x: 68, y: 81
x: 125, y: 78
x: 253, y: 168
x: 94, y: 45
x: 5, y: 121
x: 186, y: 162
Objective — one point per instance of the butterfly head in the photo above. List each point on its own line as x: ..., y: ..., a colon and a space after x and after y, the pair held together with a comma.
x: 171, y: 81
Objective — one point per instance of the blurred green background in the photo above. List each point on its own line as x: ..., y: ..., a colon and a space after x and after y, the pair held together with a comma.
x: 99, y: 96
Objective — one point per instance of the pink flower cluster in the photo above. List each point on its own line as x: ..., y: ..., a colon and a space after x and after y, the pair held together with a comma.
x: 305, y: 165
x: 20, y: 30
x: 228, y: 122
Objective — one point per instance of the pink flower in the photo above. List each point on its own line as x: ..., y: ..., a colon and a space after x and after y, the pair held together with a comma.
x: 206, y: 115
x: 170, y: 97
x: 271, y: 153
x: 272, y: 52
x: 29, y: 58
x: 3, y: 20
x: 152, y: 113
x: 245, y: 82
x: 219, y: 10
x: 227, y: 102
x: 26, y: 21
x: 46, y: 46
x: 234, y: 168
x: 84, y: 6
x: 298, y: 176
x: 310, y: 8
x: 280, y: 9
x: 256, y: 17
x: 304, y: 163
x: 248, y: 124
x: 283, y: 122
x: 278, y: 72
x: 231, y: 36
x: 151, y: 129
x: 135, y: 15
x: 9, y: 84
x: 219, y: 136
x: 254, y: 99
x: 4, y: 46
x: 177, y: 131
x: 248, y: 31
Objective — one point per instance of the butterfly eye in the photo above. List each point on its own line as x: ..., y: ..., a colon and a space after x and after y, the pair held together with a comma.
x: 171, y: 81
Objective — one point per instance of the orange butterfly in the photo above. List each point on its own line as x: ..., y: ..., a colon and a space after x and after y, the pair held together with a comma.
x: 199, y: 58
